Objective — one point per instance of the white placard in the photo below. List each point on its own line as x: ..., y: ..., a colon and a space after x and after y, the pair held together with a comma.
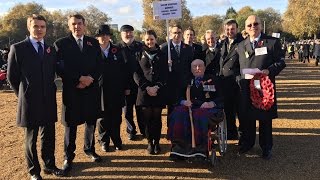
x: 276, y: 35
x: 167, y: 9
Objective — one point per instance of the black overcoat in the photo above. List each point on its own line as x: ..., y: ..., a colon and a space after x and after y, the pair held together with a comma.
x: 152, y: 72
x: 79, y: 105
x: 178, y: 77
x: 271, y: 61
x: 32, y: 80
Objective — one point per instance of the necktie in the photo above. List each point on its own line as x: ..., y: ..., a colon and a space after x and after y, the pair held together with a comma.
x: 80, y: 44
x: 255, y: 44
x: 40, y: 49
x: 198, y: 81
x: 178, y: 50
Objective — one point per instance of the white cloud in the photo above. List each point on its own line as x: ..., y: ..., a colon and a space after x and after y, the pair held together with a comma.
x: 110, y: 1
x: 125, y: 10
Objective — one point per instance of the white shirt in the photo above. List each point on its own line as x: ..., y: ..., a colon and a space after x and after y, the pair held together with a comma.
x: 105, y: 51
x: 255, y: 39
x: 76, y: 38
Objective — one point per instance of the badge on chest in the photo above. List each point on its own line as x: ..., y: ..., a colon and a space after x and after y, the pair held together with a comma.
x: 260, y: 51
x: 209, y: 88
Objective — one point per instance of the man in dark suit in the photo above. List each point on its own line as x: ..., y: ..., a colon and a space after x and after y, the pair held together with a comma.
x: 79, y: 59
x: 131, y: 50
x: 264, y: 53
x: 188, y: 38
x: 114, y: 83
x: 181, y: 57
x: 229, y: 71
x: 31, y: 74
x: 212, y: 54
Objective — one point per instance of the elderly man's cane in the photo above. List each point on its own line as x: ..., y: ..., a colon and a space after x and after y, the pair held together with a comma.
x: 193, y: 141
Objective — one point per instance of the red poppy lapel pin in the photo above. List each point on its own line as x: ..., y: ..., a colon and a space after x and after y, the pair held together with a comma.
x: 260, y: 43
x: 48, y: 50
x: 114, y: 50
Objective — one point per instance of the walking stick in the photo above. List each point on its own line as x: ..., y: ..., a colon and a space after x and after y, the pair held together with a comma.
x: 193, y: 141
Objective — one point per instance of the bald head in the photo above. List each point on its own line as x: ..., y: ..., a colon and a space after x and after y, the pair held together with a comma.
x: 197, y: 67
x: 253, y: 26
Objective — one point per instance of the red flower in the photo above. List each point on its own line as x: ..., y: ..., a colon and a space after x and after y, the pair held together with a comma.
x: 89, y: 43
x: 260, y: 43
x: 264, y: 98
x: 114, y: 50
x: 48, y: 50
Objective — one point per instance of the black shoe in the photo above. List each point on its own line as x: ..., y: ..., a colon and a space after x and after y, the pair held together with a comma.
x: 157, y: 149
x: 105, y: 148
x: 36, y: 177
x: 118, y: 147
x: 67, y: 166
x: 94, y: 157
x: 150, y: 148
x: 132, y: 137
x: 54, y: 171
x: 244, y: 149
x: 266, y: 155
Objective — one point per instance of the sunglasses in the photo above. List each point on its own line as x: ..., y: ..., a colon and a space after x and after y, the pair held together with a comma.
x: 253, y: 24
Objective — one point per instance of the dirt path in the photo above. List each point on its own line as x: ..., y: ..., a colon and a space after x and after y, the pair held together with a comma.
x: 295, y: 153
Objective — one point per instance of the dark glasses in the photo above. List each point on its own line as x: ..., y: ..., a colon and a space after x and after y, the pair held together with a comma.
x: 253, y: 24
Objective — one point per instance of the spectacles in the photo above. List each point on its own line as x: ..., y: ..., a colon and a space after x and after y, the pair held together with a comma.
x: 253, y: 24
x: 176, y: 32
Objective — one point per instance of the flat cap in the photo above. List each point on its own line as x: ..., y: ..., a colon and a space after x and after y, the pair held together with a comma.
x: 126, y: 27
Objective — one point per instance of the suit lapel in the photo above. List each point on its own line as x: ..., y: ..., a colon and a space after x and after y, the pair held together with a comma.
x: 30, y: 48
x: 248, y: 47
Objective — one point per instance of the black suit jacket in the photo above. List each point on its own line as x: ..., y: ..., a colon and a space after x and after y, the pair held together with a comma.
x: 115, y: 77
x: 177, y: 78
x: 212, y: 60
x: 272, y: 61
x: 152, y: 72
x: 80, y: 105
x: 32, y: 80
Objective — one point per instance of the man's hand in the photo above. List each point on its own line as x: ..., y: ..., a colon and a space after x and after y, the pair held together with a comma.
x: 152, y: 91
x: 86, y: 80
x: 266, y: 71
x: 81, y: 86
x: 127, y: 92
x: 207, y: 105
x: 187, y: 103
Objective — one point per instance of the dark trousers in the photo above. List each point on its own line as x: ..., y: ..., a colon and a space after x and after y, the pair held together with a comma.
x: 128, y: 111
x: 70, y: 136
x: 231, y: 93
x: 47, y: 137
x: 109, y: 126
x: 265, y: 133
x: 152, y: 117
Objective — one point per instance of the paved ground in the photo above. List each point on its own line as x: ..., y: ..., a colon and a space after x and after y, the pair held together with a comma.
x: 295, y: 153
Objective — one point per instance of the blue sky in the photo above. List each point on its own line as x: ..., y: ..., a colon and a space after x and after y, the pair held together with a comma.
x: 130, y: 11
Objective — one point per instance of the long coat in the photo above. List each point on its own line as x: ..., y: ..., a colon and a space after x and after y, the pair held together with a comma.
x: 177, y: 78
x: 271, y: 61
x: 32, y: 80
x: 230, y: 67
x: 152, y: 72
x: 115, y: 78
x: 80, y: 105
x: 211, y: 60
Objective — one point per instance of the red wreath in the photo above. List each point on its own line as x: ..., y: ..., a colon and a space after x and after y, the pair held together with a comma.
x: 264, y: 98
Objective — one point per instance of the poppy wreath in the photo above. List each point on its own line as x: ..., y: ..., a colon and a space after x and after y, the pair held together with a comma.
x: 264, y: 98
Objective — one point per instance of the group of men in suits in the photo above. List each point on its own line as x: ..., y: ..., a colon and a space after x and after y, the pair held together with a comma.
x: 86, y: 65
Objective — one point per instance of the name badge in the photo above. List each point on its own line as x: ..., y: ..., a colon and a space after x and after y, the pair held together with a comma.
x: 260, y: 51
x: 210, y: 88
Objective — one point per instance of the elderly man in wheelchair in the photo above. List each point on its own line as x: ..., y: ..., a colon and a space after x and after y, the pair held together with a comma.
x: 200, y: 108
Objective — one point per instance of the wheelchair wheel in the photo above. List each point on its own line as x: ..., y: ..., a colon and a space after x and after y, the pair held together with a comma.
x: 222, y: 137
x: 213, y: 158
